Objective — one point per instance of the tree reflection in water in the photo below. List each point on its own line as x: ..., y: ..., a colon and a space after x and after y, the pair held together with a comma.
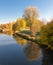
x: 32, y: 51
x: 20, y: 40
x: 47, y: 57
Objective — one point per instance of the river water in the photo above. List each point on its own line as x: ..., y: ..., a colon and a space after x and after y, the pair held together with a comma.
x: 12, y: 52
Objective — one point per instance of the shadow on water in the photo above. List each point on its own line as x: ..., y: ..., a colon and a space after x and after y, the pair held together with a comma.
x: 47, y: 57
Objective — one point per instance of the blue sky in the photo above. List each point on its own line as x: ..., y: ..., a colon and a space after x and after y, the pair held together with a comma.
x: 10, y: 10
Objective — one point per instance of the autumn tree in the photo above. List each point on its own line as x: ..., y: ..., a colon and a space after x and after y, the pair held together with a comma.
x: 19, y: 25
x: 30, y: 13
x: 47, y: 34
x: 22, y: 23
x: 15, y: 26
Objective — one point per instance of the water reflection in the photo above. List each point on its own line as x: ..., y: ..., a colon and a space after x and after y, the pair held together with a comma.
x: 19, y: 40
x: 33, y: 52
x: 12, y: 53
x: 48, y: 57
x: 31, y: 49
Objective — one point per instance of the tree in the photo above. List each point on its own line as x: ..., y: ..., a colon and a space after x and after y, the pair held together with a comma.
x: 22, y: 23
x: 19, y: 25
x: 47, y: 34
x: 15, y: 26
x: 30, y: 14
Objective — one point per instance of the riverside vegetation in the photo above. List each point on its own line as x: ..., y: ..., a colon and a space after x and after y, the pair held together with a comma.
x: 31, y: 25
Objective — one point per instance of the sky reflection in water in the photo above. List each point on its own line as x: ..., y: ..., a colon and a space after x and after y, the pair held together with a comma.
x: 12, y: 53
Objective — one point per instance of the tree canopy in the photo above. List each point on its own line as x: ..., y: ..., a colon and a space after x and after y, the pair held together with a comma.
x: 30, y: 13
x: 47, y: 34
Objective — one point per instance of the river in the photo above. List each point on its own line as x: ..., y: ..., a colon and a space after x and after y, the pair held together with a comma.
x: 12, y: 52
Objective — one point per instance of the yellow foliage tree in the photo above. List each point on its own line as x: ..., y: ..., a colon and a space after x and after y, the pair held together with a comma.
x: 22, y: 23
